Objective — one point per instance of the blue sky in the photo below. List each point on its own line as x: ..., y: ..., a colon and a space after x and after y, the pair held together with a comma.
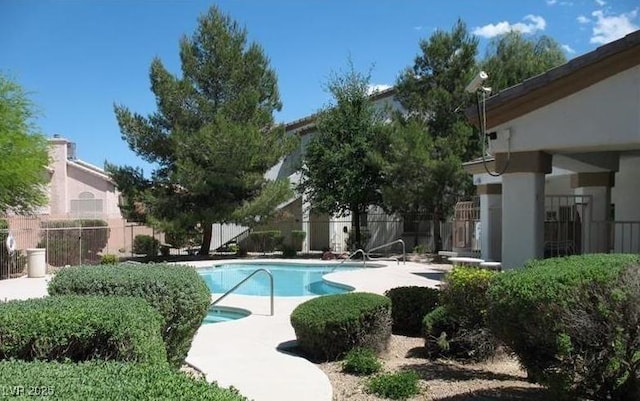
x: 78, y: 57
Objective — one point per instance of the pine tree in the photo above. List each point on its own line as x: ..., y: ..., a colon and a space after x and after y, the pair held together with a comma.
x: 212, y: 137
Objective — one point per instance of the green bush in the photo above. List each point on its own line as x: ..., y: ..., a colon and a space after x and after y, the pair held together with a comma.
x: 409, y: 305
x: 396, y: 386
x: 74, y: 242
x: 361, y: 361
x: 420, y: 249
x: 108, y: 259
x: 105, y: 381
x: 459, y: 329
x: 81, y: 328
x: 444, y: 337
x: 146, y: 245
x: 573, y: 323
x: 329, y: 326
x: 182, y: 238
x: 177, y: 292
x: 265, y: 241
x: 297, y: 238
x: 288, y: 251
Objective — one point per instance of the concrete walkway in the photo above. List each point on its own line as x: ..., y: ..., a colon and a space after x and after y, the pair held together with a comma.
x: 244, y: 353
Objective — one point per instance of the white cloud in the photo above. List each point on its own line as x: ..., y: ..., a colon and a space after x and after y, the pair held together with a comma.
x: 551, y: 2
x: 583, y: 20
x: 377, y: 88
x: 608, y: 28
x: 532, y: 24
x: 601, y: 2
x: 568, y: 49
x: 417, y: 28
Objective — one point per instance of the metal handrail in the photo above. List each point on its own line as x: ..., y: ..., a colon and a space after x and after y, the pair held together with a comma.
x: 235, y: 287
x: 357, y: 251
x: 404, y: 252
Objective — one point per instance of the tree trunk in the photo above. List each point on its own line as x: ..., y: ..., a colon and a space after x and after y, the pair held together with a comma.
x: 437, y: 237
x: 356, y: 222
x: 205, y: 247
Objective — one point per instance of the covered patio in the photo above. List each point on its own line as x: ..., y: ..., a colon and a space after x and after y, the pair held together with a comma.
x: 563, y: 171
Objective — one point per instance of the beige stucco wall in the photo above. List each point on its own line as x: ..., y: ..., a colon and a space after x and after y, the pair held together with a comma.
x: 604, y: 116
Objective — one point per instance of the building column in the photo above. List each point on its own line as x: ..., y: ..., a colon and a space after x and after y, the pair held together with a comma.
x: 306, y: 224
x: 522, y: 205
x: 490, y: 221
x: 595, y: 225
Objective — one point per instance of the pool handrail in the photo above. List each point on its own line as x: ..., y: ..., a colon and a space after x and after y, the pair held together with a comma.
x: 354, y: 253
x: 404, y: 252
x: 235, y: 287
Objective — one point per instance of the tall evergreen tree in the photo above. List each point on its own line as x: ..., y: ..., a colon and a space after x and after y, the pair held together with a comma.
x: 511, y: 58
x: 212, y: 137
x: 432, y: 92
x: 341, y: 173
x: 25, y: 154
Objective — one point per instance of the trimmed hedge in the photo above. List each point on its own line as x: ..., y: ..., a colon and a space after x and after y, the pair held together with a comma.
x: 105, y: 381
x: 329, y: 326
x: 81, y: 328
x: 409, y: 305
x: 573, y: 323
x: 176, y: 291
x: 459, y: 329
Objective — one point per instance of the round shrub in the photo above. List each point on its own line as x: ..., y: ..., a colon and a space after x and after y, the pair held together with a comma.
x: 329, y: 326
x: 458, y: 328
x: 108, y: 259
x: 105, y: 381
x: 396, y: 386
x: 409, y: 305
x: 146, y: 245
x: 178, y: 292
x: 573, y: 323
x: 361, y: 361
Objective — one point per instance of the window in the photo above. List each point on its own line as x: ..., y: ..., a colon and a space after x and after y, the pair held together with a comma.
x: 86, y: 205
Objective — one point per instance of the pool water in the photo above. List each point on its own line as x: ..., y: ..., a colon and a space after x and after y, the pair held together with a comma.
x: 219, y: 314
x: 288, y: 280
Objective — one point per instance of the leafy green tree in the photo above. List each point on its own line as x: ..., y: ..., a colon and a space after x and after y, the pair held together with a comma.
x: 511, y: 58
x: 25, y: 153
x: 341, y: 171
x: 213, y: 136
x: 432, y: 94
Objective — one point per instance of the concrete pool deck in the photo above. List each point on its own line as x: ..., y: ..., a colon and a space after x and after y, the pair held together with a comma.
x: 244, y: 353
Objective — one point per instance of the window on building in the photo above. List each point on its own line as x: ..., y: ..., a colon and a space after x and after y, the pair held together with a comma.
x: 86, y: 205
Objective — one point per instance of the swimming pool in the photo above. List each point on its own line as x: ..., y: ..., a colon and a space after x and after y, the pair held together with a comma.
x: 289, y: 280
x: 219, y: 314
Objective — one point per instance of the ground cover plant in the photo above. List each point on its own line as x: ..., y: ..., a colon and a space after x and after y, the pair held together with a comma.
x: 396, y: 386
x: 574, y: 323
x: 329, y: 326
x: 177, y: 292
x: 361, y: 361
x: 80, y: 328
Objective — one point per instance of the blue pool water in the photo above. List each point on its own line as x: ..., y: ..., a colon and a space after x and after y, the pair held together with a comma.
x: 288, y: 280
x: 219, y: 314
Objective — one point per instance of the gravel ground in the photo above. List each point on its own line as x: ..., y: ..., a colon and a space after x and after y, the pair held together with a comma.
x: 500, y: 379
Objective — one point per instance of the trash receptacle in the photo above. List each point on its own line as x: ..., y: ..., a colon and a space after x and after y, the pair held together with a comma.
x: 36, y: 262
